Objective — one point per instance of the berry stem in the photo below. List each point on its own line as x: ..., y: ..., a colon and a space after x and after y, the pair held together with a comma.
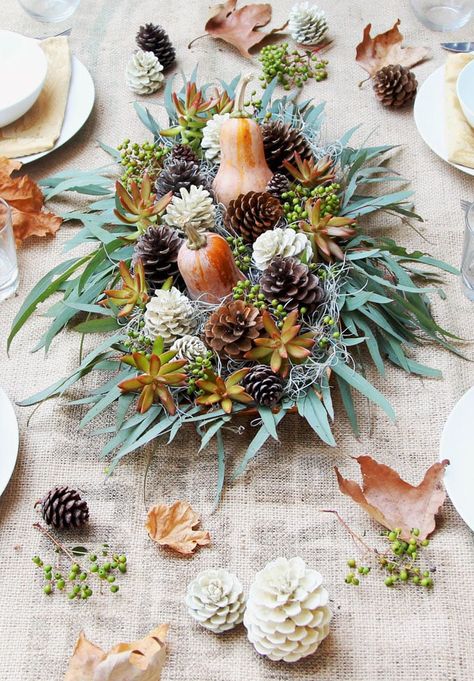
x: 53, y: 539
x: 357, y: 540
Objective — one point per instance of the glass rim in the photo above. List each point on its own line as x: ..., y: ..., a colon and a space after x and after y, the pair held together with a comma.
x: 469, y: 217
x: 8, y: 222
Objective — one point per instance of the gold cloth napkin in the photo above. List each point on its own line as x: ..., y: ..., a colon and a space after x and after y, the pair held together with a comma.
x: 40, y: 127
x: 459, y: 134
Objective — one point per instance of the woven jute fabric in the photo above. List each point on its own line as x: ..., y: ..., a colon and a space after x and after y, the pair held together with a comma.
x: 274, y: 508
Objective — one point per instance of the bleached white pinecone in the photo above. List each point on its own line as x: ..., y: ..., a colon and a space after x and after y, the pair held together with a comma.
x: 307, y: 24
x: 281, y: 241
x: 194, y: 205
x: 216, y: 600
x: 287, y: 615
x: 211, y: 135
x: 143, y: 73
x: 189, y: 347
x: 169, y: 314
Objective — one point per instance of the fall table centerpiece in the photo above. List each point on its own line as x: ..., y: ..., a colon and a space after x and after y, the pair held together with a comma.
x: 231, y: 272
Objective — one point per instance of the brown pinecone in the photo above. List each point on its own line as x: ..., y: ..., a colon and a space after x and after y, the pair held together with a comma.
x: 158, y: 249
x: 278, y: 185
x: 179, y: 173
x: 251, y: 214
x: 292, y: 283
x: 231, y: 328
x: 281, y: 142
x: 63, y: 508
x: 183, y: 152
x: 395, y: 85
x: 263, y: 385
x: 153, y: 38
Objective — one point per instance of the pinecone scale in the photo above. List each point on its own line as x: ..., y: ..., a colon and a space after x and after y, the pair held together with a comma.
x: 231, y: 328
x: 292, y: 283
x: 158, y: 250
x: 281, y: 142
x: 183, y: 152
x: 278, y: 185
x: 153, y: 38
x: 263, y: 385
x: 63, y: 508
x: 179, y: 173
x: 395, y: 85
x: 251, y: 214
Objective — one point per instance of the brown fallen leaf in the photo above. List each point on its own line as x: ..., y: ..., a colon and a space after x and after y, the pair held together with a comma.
x: 239, y: 27
x: 26, y: 201
x: 385, y: 49
x: 392, y: 501
x: 137, y: 661
x: 173, y: 525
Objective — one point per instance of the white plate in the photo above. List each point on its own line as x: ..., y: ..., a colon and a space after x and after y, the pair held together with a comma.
x: 429, y: 116
x: 457, y: 445
x: 79, y: 105
x: 9, y: 440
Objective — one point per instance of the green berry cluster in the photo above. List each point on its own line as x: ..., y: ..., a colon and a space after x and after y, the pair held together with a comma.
x: 138, y: 159
x: 294, y: 200
x: 254, y: 102
x: 137, y: 341
x: 351, y: 577
x: 328, y: 333
x: 292, y: 68
x: 197, y: 369
x: 76, y: 583
x: 241, y: 252
x: 400, y: 565
x: 250, y: 293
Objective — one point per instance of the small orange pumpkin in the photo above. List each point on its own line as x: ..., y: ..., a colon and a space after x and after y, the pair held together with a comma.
x: 207, y: 265
x: 243, y: 166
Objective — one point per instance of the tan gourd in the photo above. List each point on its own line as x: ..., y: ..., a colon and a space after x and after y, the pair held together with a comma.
x: 243, y: 166
x: 207, y: 265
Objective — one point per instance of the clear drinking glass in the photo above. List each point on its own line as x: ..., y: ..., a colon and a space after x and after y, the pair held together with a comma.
x: 467, y: 263
x: 443, y: 15
x: 50, y: 11
x: 8, y: 263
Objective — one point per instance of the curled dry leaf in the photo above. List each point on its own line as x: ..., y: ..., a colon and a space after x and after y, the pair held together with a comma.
x: 138, y: 661
x: 26, y: 201
x: 392, y: 501
x: 173, y: 526
x: 239, y: 27
x: 385, y: 49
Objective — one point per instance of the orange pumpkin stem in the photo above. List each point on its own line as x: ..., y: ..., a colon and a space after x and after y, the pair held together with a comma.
x: 239, y: 100
x: 194, y: 239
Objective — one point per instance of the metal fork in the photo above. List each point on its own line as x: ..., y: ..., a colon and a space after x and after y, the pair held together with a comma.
x: 56, y: 35
x: 465, y: 205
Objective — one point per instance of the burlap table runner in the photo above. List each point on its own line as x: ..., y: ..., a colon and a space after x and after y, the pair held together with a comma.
x: 273, y: 509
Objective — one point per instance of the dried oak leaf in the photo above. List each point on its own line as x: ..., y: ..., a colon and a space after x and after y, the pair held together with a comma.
x: 138, y: 661
x: 238, y: 27
x: 392, y: 501
x: 173, y: 526
x: 26, y: 201
x: 386, y: 48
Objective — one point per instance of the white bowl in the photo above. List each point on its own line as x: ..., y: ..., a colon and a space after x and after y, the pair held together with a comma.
x: 465, y: 91
x: 22, y: 75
